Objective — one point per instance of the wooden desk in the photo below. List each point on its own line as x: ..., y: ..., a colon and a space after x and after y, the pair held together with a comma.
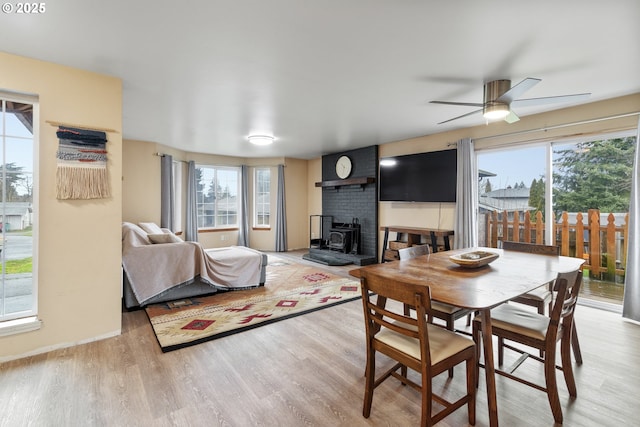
x: 480, y: 289
x: 413, y: 236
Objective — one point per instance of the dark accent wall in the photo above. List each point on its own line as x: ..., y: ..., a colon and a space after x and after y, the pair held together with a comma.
x: 354, y: 201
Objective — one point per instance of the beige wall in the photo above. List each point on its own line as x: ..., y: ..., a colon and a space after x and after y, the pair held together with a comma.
x: 140, y: 182
x: 314, y: 196
x: 296, y: 188
x: 79, y: 253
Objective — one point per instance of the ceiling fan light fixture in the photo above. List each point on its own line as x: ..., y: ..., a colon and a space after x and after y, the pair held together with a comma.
x: 495, y: 111
x: 261, y: 139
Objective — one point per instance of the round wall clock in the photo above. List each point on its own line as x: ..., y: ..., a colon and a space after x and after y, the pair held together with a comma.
x: 343, y: 167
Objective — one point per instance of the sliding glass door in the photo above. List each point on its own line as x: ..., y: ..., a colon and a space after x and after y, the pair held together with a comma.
x: 570, y: 193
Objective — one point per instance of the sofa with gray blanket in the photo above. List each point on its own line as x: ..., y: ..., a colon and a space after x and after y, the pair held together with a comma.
x: 158, y: 266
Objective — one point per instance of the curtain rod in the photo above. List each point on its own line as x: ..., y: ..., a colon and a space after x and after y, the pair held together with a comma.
x: 163, y: 154
x: 547, y: 128
x: 71, y: 125
x: 159, y: 154
x: 560, y: 126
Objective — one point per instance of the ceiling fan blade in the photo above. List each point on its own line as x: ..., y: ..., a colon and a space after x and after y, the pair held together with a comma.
x: 465, y: 104
x: 512, y: 117
x: 516, y: 91
x: 550, y: 100
x: 464, y: 115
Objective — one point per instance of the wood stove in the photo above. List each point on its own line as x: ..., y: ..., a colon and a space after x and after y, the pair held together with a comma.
x: 340, y: 239
x: 344, y: 237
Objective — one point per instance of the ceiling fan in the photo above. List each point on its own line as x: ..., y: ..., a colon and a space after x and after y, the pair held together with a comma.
x: 499, y: 97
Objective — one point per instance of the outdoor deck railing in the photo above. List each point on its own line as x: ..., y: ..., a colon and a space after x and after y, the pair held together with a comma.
x: 602, y: 246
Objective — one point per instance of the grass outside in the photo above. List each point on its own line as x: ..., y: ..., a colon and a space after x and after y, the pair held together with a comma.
x: 24, y: 265
x: 16, y: 266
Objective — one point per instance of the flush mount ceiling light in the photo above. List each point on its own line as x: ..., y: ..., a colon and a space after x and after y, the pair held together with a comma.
x: 494, y: 107
x: 495, y: 110
x: 260, y: 139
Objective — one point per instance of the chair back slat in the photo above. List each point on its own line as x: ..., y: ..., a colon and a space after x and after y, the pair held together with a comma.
x: 571, y: 299
x: 567, y: 286
x: 380, y: 315
x: 531, y: 248
x: 413, y: 251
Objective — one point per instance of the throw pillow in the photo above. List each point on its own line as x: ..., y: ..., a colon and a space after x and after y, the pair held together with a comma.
x: 150, y: 227
x: 164, y: 238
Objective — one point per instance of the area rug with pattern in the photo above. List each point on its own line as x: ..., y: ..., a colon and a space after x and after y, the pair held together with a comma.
x: 291, y: 289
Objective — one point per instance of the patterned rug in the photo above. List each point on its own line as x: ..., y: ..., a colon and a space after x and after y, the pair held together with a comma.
x: 291, y: 289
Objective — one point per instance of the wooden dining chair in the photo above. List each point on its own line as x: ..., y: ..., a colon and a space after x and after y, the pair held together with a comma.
x: 412, y: 343
x: 446, y: 312
x: 543, y: 296
x: 513, y: 323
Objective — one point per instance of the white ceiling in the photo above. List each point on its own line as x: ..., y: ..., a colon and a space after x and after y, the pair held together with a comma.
x: 327, y: 75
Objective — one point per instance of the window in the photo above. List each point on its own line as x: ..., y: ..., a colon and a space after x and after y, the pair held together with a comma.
x: 261, y: 197
x: 18, y: 297
x: 217, y: 192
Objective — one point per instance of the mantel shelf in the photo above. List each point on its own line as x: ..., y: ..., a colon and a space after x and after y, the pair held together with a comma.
x: 343, y: 182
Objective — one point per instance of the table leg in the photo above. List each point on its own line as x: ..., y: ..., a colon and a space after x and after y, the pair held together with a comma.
x: 489, y: 367
x: 434, y: 242
x: 385, y: 243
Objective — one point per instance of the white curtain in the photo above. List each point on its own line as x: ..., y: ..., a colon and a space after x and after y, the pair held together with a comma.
x: 631, y: 303
x: 166, y: 192
x: 465, y: 223
x: 191, y: 223
x: 243, y: 219
x: 281, y: 214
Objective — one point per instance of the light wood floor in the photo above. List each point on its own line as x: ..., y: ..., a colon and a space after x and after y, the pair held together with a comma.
x: 304, y: 371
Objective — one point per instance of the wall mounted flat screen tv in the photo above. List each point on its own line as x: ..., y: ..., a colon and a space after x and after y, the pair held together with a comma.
x: 422, y: 177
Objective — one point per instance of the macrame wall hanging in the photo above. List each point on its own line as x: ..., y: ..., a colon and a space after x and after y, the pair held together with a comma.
x: 82, y: 164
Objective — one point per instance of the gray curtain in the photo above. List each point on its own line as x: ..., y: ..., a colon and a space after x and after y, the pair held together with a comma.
x: 191, y: 223
x: 167, y: 195
x: 465, y: 223
x: 281, y: 216
x: 243, y: 219
x: 631, y: 302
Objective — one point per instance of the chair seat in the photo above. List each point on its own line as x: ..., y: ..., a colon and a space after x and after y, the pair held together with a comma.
x: 541, y: 294
x: 444, y: 308
x: 521, y: 321
x: 442, y: 343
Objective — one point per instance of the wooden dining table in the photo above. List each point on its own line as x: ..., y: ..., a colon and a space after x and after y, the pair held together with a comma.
x: 479, y: 289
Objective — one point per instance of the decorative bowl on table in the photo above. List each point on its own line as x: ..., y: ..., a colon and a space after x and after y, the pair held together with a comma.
x: 474, y: 259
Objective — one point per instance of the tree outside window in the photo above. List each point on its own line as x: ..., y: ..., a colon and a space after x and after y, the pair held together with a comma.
x: 594, y: 175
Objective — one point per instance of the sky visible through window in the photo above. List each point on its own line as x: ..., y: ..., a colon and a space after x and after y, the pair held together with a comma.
x: 18, y: 146
x: 512, y: 167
